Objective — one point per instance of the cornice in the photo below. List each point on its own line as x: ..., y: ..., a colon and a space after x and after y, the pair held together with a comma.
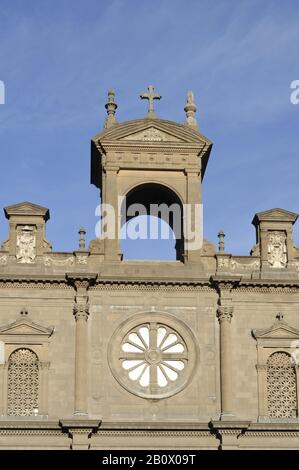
x: 41, y: 281
x: 73, y: 277
x: 152, y: 146
x: 144, y: 284
x: 30, y: 424
x: 96, y: 282
x: 269, y: 286
x: 155, y: 426
x: 82, y: 423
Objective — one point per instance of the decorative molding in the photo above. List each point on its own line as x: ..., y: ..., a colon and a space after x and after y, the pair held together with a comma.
x: 27, y: 281
x: 26, y: 208
x: 34, y: 284
x: 279, y: 330
x: 63, y: 281
x: 152, y: 134
x: 25, y: 327
x: 235, y: 265
x: 223, y: 262
x: 278, y: 434
x: 151, y: 284
x: 153, y: 433
x: 48, y: 261
x: 82, y: 259
x: 181, y: 132
x: 3, y: 260
x: 30, y: 432
x: 226, y: 261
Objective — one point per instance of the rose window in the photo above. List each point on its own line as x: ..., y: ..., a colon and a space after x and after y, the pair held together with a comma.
x: 153, y: 358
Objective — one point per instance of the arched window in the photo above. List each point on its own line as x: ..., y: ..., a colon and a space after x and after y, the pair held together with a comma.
x: 281, y: 386
x: 23, y: 383
x: 158, y: 223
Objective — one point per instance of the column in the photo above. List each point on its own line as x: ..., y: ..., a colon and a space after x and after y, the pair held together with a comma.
x: 224, y: 314
x: 43, y: 397
x: 81, y: 311
x: 192, y: 253
x: 262, y: 390
x: 112, y: 248
x: 2, y: 391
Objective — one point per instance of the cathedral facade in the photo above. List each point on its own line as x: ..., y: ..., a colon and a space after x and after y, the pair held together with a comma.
x: 99, y: 352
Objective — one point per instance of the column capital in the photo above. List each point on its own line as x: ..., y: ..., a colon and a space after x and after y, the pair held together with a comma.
x: 111, y: 170
x: 224, y: 284
x: 81, y: 310
x: 224, y: 313
x: 81, y: 282
x: 81, y: 279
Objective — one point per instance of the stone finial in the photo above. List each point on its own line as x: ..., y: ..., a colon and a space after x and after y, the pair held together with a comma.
x: 82, y: 233
x: 150, y: 96
x: 111, y: 107
x: 221, y: 247
x: 190, y: 110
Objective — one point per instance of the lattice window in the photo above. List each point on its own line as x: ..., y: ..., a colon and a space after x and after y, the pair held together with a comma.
x: 281, y: 386
x: 23, y: 383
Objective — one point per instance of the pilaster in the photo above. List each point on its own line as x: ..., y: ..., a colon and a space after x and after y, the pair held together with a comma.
x: 81, y: 283
x: 224, y: 314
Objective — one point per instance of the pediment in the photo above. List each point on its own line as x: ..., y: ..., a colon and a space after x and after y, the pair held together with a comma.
x: 152, y: 134
x: 275, y: 215
x: 25, y: 327
x: 280, y: 330
x: 26, y: 208
x: 152, y: 130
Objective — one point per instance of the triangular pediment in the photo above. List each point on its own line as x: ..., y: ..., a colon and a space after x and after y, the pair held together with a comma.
x: 26, y: 208
x: 280, y: 330
x: 152, y: 130
x: 275, y: 215
x: 152, y: 134
x: 25, y: 327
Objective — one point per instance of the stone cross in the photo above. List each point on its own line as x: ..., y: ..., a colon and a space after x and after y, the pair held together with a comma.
x: 150, y: 96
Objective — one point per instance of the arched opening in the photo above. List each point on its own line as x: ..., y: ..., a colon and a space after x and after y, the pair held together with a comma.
x: 152, y: 220
x: 23, y: 383
x: 281, y: 386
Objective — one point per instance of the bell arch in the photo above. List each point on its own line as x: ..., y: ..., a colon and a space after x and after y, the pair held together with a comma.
x: 150, y: 151
x: 158, y: 200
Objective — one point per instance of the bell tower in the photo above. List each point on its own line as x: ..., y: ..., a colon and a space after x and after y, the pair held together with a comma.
x: 151, y: 161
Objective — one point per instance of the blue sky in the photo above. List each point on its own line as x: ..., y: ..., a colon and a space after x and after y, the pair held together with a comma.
x: 58, y: 59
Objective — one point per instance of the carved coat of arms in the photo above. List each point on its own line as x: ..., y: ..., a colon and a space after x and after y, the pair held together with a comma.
x: 26, y: 245
x: 277, y: 249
